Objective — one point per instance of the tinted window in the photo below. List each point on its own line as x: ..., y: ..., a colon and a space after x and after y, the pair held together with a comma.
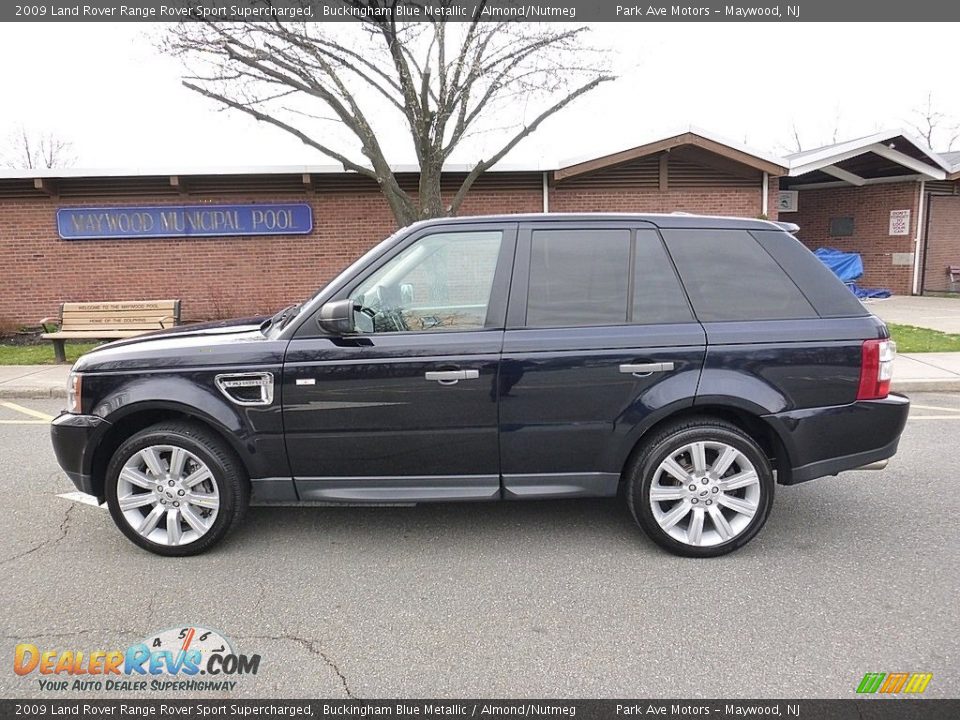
x: 441, y: 282
x: 578, y: 277
x: 657, y: 295
x: 729, y: 276
x: 825, y: 291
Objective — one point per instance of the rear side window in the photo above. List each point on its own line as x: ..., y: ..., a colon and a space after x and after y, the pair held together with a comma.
x: 825, y: 291
x: 578, y: 277
x: 729, y: 276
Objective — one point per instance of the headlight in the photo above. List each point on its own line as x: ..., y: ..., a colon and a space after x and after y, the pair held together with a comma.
x: 74, y: 387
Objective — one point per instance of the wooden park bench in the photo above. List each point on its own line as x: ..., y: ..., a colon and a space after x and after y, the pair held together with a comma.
x: 109, y: 321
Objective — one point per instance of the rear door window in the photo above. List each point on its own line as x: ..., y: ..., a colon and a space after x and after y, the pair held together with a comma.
x: 657, y: 295
x: 587, y: 277
x: 729, y: 276
x: 578, y: 277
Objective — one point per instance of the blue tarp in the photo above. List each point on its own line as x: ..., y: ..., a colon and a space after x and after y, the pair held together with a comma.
x: 849, y: 267
x: 846, y: 266
x: 868, y: 292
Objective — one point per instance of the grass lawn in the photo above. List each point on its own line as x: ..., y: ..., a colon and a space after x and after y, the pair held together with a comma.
x: 912, y: 339
x: 40, y: 354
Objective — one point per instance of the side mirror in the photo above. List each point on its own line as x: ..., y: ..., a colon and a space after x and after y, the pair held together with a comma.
x: 337, y: 317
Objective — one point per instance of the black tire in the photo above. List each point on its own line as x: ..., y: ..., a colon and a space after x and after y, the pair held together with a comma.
x: 670, y: 439
x: 225, y: 468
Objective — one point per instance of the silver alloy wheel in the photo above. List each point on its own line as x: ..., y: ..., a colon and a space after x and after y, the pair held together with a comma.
x: 168, y: 495
x: 705, y: 493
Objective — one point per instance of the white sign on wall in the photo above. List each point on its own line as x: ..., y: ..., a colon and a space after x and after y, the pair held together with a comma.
x: 899, y: 222
x: 787, y: 200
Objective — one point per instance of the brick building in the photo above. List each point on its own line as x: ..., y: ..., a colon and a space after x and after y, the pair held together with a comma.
x: 221, y: 274
x: 885, y: 196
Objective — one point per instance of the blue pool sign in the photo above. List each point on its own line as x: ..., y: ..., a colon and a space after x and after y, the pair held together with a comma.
x: 177, y: 221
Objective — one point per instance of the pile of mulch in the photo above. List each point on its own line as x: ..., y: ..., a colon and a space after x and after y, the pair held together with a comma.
x: 23, y: 337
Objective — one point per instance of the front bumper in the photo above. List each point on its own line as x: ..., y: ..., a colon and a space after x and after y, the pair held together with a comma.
x: 75, y: 437
x: 828, y: 440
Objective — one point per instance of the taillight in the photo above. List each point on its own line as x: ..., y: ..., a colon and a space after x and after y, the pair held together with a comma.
x: 876, y: 369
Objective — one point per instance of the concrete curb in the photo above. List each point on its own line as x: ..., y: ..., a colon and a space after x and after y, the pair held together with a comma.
x: 932, y: 385
x: 12, y: 392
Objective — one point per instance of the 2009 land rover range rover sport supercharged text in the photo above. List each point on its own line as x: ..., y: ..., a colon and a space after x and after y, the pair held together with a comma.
x: 689, y: 362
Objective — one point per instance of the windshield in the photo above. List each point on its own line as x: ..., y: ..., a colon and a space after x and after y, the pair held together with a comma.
x: 279, y: 320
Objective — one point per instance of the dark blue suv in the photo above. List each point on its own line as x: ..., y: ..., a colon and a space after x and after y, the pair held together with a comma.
x: 688, y: 362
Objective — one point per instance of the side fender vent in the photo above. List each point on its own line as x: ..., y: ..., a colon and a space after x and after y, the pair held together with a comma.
x: 255, y: 388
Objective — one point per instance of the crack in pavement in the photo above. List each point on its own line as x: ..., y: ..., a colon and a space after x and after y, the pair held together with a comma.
x: 64, y: 528
x: 50, y: 635
x: 313, y: 647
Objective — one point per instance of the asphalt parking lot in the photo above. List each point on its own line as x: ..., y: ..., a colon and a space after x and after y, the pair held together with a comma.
x: 563, y: 598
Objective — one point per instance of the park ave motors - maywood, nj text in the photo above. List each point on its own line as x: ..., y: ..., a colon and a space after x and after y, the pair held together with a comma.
x: 736, y: 11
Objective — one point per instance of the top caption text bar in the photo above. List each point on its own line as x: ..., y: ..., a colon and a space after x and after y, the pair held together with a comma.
x: 489, y: 11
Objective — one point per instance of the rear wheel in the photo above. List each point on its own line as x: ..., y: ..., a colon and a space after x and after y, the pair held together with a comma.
x: 175, y: 489
x: 701, y: 488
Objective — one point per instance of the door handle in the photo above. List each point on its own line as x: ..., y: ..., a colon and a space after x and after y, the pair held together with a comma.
x: 644, y: 369
x: 451, y: 377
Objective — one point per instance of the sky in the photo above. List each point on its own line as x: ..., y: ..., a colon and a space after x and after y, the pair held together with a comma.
x: 106, y: 89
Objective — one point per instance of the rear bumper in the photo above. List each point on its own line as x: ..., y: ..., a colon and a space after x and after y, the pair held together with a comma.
x: 75, y: 438
x: 828, y: 440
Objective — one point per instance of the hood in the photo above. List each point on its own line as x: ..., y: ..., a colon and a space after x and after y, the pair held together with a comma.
x: 214, y: 327
x: 224, y: 343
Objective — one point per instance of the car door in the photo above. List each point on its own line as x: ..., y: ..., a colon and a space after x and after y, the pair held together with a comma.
x: 600, y: 342
x: 408, y: 409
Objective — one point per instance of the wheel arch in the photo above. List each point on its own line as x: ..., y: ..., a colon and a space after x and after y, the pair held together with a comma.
x: 139, y: 416
x: 751, y: 423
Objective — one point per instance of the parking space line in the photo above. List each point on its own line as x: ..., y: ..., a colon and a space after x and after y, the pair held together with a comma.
x: 935, y: 407
x: 24, y: 422
x: 26, y: 411
x: 81, y: 498
x: 934, y: 417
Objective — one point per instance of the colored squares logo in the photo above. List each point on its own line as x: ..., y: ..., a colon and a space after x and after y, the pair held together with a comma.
x: 892, y: 683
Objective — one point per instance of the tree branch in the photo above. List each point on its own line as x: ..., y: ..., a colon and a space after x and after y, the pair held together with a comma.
x: 484, y: 165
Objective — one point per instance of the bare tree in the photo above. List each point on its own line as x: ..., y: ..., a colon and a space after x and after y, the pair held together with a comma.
x: 444, y: 82
x: 797, y: 144
x: 934, y: 126
x: 30, y: 150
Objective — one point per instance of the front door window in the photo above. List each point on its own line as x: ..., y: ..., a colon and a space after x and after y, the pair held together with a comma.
x: 441, y: 282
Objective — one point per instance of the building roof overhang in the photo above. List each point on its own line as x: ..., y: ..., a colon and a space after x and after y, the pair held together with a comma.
x: 690, y: 138
x: 886, y: 156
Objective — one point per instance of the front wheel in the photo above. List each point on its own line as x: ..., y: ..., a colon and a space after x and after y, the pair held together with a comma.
x: 701, y: 488
x: 175, y: 489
